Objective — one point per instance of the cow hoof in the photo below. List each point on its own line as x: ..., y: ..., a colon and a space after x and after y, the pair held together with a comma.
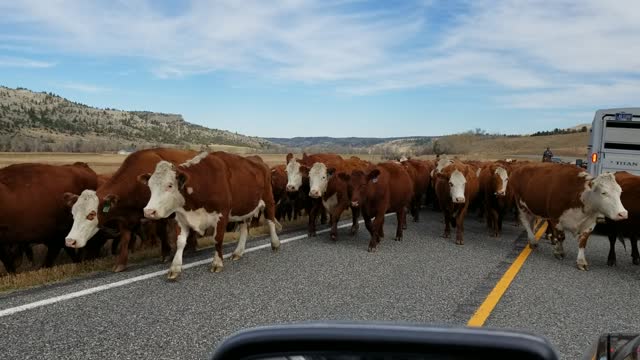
x: 216, y: 269
x: 533, y: 245
x: 119, y: 268
x: 459, y: 242
x: 312, y: 234
x: 636, y: 261
x: 611, y: 263
x: 236, y: 256
x: 275, y: 248
x: 173, y: 275
x: 559, y: 256
x: 334, y: 237
x: 398, y: 238
x: 372, y: 249
x: 583, y: 267
x: 445, y: 235
x: 353, y: 231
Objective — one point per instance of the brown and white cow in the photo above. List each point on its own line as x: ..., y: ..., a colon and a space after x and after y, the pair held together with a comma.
x: 298, y: 186
x: 118, y: 203
x: 456, y: 187
x: 387, y: 187
x: 494, y: 178
x: 568, y: 197
x: 630, y: 227
x: 335, y: 193
x: 207, y: 192
x: 33, y: 208
x: 420, y: 172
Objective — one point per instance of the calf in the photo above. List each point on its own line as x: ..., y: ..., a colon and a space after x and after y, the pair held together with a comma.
x: 493, y: 180
x: 419, y: 171
x: 456, y: 187
x: 335, y: 193
x: 387, y: 187
x: 568, y: 197
x: 207, y: 192
x: 118, y: 204
x: 630, y: 227
x: 284, y: 204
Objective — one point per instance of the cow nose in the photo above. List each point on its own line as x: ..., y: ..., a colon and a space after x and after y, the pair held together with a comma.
x: 314, y: 193
x: 460, y: 199
x: 150, y: 213
x: 70, y: 243
x: 623, y: 215
x: 291, y: 188
x: 355, y: 204
x: 500, y: 193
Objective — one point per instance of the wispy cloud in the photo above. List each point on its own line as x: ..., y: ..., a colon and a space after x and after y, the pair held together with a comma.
x: 7, y: 61
x: 547, y: 53
x: 87, y: 88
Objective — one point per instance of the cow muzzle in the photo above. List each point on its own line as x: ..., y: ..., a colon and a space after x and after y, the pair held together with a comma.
x: 459, y: 200
x: 314, y: 194
x: 355, y: 204
x: 70, y: 243
x: 622, y: 215
x: 291, y: 188
x: 150, y: 214
x: 499, y: 193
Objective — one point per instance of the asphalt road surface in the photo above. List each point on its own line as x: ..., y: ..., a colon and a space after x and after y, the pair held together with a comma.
x: 424, y: 279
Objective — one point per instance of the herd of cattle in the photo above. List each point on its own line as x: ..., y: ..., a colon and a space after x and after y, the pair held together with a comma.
x: 173, y: 196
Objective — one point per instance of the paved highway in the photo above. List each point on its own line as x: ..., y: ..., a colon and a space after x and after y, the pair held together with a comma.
x: 423, y: 279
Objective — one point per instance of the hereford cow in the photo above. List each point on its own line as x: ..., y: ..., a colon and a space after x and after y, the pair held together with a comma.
x: 567, y: 196
x: 207, y: 192
x: 298, y: 184
x: 456, y: 187
x: 285, y: 206
x: 387, y: 187
x: 419, y: 171
x: 119, y: 202
x: 630, y: 227
x: 494, y: 179
x: 335, y: 193
x: 33, y: 208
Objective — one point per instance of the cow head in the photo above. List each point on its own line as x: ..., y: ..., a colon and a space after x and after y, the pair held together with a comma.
x: 295, y: 173
x: 319, y: 176
x: 166, y: 185
x: 603, y: 195
x: 84, y: 209
x: 457, y: 182
x: 500, y: 179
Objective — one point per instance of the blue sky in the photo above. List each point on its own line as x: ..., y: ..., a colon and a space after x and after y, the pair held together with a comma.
x: 335, y: 67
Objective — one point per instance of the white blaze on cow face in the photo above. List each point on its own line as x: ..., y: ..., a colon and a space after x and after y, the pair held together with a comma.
x: 294, y: 176
x: 604, y: 197
x: 504, y: 177
x: 85, y: 219
x: 165, y: 192
x: 457, y: 183
x: 318, y: 180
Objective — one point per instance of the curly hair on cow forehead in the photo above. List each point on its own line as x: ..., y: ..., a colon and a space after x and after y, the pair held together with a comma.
x: 164, y: 167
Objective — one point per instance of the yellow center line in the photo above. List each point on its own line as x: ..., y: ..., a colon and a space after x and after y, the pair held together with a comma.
x: 482, y: 313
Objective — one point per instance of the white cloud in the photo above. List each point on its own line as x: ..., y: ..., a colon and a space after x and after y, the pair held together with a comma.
x: 87, y: 88
x: 8, y: 61
x: 548, y: 53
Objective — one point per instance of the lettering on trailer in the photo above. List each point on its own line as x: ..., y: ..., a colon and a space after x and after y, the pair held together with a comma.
x: 626, y: 163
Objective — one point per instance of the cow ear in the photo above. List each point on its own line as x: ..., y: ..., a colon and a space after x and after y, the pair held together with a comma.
x: 182, y: 178
x: 109, y: 202
x: 373, y: 175
x: 331, y: 171
x: 144, y: 178
x: 69, y: 199
x: 344, y: 177
x: 289, y: 157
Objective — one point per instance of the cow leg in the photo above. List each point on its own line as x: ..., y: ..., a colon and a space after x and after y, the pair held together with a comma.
x: 217, y: 264
x: 123, y: 256
x: 460, y: 226
x: 447, y: 226
x: 401, y: 217
x: 335, y: 217
x: 378, y: 224
x: 323, y: 214
x: 582, y: 244
x: 270, y: 216
x: 176, y: 264
x: 492, y: 214
x: 500, y: 215
x: 355, y: 225
x: 313, y: 214
x: 611, y: 259
x: 367, y: 222
x: 53, y: 250
x: 275, y: 241
x: 244, y: 232
x: 526, y: 222
x: 7, y: 259
x: 635, y: 256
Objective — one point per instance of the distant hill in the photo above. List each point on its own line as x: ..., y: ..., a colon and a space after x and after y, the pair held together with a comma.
x: 31, y: 121
x: 343, y: 144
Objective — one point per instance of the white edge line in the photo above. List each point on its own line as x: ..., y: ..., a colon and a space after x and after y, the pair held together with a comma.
x: 93, y: 290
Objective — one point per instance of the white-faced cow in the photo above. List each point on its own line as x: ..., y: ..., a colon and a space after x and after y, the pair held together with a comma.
x: 568, y: 197
x: 207, y: 192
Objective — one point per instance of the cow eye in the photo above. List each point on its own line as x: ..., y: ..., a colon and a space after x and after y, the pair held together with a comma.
x: 450, y: 184
x: 604, y: 193
x: 170, y: 186
x: 91, y: 216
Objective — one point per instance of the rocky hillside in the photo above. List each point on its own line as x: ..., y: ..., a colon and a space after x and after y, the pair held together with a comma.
x: 31, y: 121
